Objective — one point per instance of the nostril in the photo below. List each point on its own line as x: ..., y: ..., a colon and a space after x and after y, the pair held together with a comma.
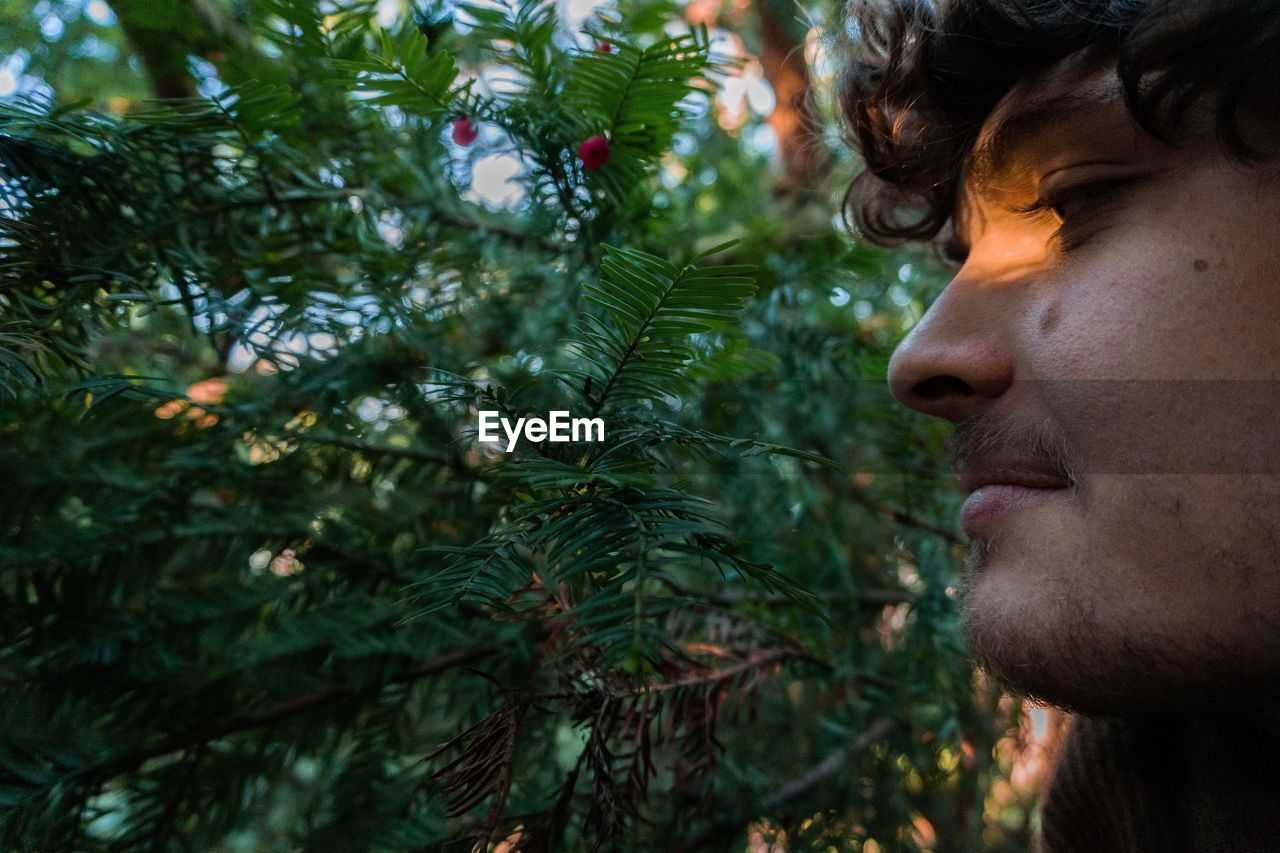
x: 938, y: 387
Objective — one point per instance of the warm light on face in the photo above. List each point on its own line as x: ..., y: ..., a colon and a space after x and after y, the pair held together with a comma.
x: 1043, y: 172
x: 1119, y: 294
x: 1004, y: 247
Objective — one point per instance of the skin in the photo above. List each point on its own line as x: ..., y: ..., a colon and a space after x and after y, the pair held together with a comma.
x: 1103, y: 342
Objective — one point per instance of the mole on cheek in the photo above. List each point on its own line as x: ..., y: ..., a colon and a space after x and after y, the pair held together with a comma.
x: 1048, y: 319
x: 1200, y: 265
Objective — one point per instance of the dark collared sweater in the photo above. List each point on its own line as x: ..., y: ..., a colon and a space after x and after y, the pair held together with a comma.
x: 1164, y: 784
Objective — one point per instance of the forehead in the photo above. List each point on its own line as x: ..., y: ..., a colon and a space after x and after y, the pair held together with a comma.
x: 1076, y: 100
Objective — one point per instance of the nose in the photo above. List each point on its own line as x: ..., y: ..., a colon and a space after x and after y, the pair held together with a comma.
x: 954, y: 362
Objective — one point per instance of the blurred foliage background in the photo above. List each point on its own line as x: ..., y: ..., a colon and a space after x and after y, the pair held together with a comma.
x: 261, y: 588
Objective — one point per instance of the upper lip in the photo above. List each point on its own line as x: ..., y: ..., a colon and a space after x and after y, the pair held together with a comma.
x: 975, y: 475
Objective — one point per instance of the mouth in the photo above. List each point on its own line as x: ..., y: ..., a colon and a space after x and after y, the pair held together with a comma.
x: 995, y: 492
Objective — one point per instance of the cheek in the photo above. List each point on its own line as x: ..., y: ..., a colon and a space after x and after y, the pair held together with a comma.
x: 1122, y: 325
x: 1163, y: 300
x: 1187, y: 554
x: 1144, y: 367
x: 1091, y: 326
x: 1179, y: 569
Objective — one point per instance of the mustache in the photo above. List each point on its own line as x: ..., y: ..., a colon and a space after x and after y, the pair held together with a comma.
x: 985, y: 436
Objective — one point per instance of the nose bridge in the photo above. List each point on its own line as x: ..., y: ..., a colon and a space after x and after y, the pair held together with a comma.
x: 958, y: 356
x: 1005, y: 256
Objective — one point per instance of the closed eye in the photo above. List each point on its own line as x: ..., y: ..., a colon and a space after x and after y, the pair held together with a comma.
x: 1071, y: 205
x: 1074, y: 199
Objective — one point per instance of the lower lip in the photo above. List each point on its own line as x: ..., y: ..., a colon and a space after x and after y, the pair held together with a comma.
x: 989, y: 503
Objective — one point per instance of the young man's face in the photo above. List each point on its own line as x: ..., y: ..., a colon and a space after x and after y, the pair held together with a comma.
x: 1112, y: 362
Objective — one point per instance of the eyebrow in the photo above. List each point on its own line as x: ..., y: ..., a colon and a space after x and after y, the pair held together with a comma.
x: 989, y: 159
x: 1014, y: 131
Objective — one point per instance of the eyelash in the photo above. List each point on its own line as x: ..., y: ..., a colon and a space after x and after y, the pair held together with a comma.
x: 1090, y: 192
x: 954, y: 256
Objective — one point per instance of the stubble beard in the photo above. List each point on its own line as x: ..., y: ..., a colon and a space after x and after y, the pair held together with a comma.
x: 1052, y: 650
x: 1060, y: 658
x: 1046, y: 622
x: 1060, y: 644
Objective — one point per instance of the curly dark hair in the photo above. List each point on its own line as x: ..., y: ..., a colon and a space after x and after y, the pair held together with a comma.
x: 923, y: 76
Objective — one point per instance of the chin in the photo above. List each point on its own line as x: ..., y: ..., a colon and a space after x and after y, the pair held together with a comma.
x: 1050, y: 640
x: 1132, y: 610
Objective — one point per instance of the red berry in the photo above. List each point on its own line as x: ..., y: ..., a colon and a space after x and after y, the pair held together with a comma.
x: 604, y: 47
x: 594, y: 152
x: 464, y: 132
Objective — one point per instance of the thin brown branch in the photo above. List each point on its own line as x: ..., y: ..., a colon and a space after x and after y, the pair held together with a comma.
x: 443, y: 460
x: 871, y: 599
x: 515, y: 235
x: 827, y: 767
x: 278, y: 712
x: 723, y: 829
x: 901, y: 516
x: 715, y: 676
x: 703, y: 678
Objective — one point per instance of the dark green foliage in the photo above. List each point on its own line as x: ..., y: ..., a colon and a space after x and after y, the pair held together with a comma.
x: 260, y: 586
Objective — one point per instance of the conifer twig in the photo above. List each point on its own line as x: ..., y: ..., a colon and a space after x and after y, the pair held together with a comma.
x: 277, y: 712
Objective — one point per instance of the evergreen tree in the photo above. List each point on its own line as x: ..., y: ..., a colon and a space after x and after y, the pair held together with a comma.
x: 262, y: 587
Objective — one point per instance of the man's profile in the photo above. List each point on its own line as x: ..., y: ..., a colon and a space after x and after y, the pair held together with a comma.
x: 1104, y: 176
